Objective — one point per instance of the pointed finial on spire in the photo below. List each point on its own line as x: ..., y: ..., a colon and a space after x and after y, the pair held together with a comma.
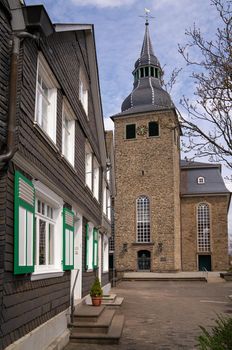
x: 147, y: 16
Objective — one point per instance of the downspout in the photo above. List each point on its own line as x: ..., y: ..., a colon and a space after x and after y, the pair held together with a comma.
x: 10, y: 145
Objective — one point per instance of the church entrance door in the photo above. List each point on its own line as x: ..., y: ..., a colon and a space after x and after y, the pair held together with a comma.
x: 204, y: 262
x: 144, y: 260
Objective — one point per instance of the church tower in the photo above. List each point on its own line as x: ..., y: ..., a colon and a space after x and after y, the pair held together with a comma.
x: 147, y: 158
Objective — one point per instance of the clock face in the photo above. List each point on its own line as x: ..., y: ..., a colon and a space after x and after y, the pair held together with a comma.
x: 142, y: 130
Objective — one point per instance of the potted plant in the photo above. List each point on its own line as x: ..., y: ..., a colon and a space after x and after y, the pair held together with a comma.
x: 96, y: 292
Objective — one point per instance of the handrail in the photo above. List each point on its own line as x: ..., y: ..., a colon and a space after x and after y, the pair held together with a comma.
x: 205, y: 272
x: 72, y: 296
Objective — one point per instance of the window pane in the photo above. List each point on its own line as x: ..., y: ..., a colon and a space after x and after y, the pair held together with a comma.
x: 30, y: 228
x: 152, y: 71
x: 51, y: 244
x: 130, y: 131
x: 203, y: 228
x: 146, y: 71
x: 153, y: 129
x: 42, y: 242
x: 143, y: 219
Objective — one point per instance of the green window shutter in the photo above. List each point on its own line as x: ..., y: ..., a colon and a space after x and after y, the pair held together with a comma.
x: 24, y: 224
x: 87, y: 247
x: 95, y: 248
x: 68, y: 239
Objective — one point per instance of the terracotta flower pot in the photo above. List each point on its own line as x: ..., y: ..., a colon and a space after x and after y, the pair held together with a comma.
x: 96, y: 301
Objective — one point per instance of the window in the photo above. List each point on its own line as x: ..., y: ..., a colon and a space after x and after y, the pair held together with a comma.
x: 83, y: 91
x: 104, y: 198
x: 203, y: 227
x: 48, y: 229
x: 105, y: 253
x: 96, y: 179
x: 141, y: 72
x: 153, y: 129
x: 130, y: 131
x: 88, y: 166
x: 39, y: 224
x: 89, y: 246
x: 68, y: 133
x: 152, y: 71
x: 200, y: 180
x: 156, y: 73
x: 143, y: 219
x: 146, y: 71
x: 46, y: 99
x: 108, y: 211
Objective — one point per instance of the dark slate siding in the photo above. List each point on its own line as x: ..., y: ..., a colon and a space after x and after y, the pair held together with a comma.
x: 105, y: 278
x: 5, y: 50
x: 48, y: 158
x: 25, y: 304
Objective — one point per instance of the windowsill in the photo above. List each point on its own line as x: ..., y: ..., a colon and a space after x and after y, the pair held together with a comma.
x: 67, y: 162
x: 153, y: 137
x: 143, y: 243
x: 45, y: 275
x: 134, y: 139
x: 107, y: 271
x: 46, y: 136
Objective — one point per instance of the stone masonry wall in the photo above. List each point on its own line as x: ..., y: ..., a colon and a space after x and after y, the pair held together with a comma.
x: 219, y: 239
x: 147, y: 166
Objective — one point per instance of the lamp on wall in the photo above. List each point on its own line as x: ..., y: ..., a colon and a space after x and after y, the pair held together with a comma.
x: 160, y: 247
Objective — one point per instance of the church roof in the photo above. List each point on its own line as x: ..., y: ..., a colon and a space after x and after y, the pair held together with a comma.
x: 147, y: 93
x: 213, y: 183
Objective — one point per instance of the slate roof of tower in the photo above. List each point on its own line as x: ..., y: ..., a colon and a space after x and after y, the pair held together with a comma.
x: 147, y: 93
x: 190, y: 171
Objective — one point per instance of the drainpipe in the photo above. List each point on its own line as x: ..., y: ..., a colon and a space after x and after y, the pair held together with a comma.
x: 10, y: 146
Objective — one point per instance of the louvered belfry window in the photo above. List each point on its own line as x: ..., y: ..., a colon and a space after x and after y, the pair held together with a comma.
x: 143, y: 219
x: 203, y: 227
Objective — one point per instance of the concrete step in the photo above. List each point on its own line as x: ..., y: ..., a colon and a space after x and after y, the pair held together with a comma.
x: 108, y: 298
x: 112, y: 337
x: 87, y: 313
x: 100, y: 326
x: 115, y: 303
x: 177, y: 279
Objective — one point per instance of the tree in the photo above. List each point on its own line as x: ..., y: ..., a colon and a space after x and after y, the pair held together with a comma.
x: 208, y: 122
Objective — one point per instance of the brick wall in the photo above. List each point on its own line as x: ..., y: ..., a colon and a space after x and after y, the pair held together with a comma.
x: 147, y: 166
x: 219, y: 240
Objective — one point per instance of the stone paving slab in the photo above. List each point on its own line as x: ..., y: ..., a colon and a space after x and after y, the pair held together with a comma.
x: 166, y: 315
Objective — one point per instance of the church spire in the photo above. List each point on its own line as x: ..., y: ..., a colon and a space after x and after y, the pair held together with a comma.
x: 147, y: 92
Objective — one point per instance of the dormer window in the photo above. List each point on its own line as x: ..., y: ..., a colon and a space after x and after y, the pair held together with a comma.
x: 200, y: 180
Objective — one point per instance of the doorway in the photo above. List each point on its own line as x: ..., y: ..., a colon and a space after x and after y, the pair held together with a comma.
x: 204, y: 262
x: 144, y: 260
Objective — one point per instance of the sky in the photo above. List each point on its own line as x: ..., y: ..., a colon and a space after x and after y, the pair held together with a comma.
x: 119, y: 32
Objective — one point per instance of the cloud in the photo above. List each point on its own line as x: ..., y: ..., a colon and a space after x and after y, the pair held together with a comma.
x: 103, y: 3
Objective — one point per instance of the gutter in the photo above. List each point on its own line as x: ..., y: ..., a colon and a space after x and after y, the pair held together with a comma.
x: 10, y: 145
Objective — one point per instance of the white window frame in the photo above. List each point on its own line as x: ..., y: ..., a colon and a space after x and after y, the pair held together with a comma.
x: 88, y: 166
x: 68, y: 132
x: 46, y: 195
x: 83, y: 91
x: 104, y: 198
x: 90, y: 247
x: 45, y: 78
x: 96, y: 177
x: 143, y: 224
x: 105, y: 253
x: 200, y: 180
x: 108, y: 209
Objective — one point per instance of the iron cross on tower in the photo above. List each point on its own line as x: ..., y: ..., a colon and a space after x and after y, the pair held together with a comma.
x: 147, y: 16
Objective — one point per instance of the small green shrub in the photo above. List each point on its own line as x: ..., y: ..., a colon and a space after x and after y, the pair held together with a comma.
x: 220, y: 337
x: 96, y: 289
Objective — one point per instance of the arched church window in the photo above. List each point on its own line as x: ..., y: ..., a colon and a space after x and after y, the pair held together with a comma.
x: 143, y: 219
x: 203, y: 227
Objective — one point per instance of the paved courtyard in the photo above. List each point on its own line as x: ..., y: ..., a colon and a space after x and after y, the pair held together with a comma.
x: 166, y: 315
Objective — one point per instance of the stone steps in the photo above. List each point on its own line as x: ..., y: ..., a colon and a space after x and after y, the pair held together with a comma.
x: 96, y: 325
x: 109, y: 300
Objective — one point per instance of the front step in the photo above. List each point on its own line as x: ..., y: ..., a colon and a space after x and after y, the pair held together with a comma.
x: 87, y: 313
x: 108, y: 300
x: 160, y: 279
x: 100, y: 326
x: 111, y: 337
